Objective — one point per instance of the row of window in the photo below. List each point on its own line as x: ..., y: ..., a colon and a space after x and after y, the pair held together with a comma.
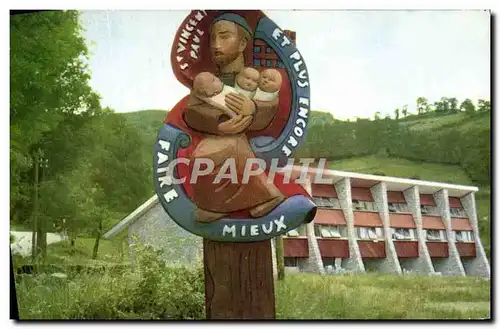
x: 458, y: 212
x: 327, y: 202
x: 429, y: 210
x: 377, y: 233
x: 330, y: 231
x: 403, y: 234
x: 268, y: 63
x: 364, y: 205
x: 398, y: 207
x: 435, y: 235
x: 370, y: 233
x: 464, y: 236
x: 299, y: 231
x: 257, y: 49
x: 394, y: 207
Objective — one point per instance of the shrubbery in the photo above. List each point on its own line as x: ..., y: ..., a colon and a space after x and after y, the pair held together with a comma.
x: 148, y: 290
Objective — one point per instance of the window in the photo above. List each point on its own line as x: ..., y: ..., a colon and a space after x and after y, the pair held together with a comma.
x: 392, y: 208
x: 464, y: 236
x: 435, y: 235
x: 403, y: 234
x: 328, y: 231
x: 279, y: 64
x: 269, y: 63
x: 291, y: 261
x: 370, y: 233
x: 328, y: 261
x: 317, y: 230
x: 429, y: 210
x: 398, y: 207
x: 299, y: 231
x: 457, y: 212
x: 256, y: 49
x: 256, y: 62
x: 327, y: 202
x: 268, y: 50
x: 364, y: 205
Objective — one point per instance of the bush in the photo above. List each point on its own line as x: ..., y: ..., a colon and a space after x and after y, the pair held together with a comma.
x: 148, y: 290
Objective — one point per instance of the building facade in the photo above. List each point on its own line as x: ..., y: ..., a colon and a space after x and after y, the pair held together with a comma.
x: 388, y: 224
x: 363, y: 223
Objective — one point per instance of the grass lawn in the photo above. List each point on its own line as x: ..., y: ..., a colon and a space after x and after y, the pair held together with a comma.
x: 403, y: 168
x: 299, y: 296
x: 377, y: 296
x: 437, y: 122
x: 110, y: 252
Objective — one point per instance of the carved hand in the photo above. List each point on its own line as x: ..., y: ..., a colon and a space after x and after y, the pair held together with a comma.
x: 235, y: 125
x: 240, y: 104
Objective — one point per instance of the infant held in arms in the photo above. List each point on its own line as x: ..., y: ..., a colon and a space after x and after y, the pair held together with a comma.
x: 261, y: 87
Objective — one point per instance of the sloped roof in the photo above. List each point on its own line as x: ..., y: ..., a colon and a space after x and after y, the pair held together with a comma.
x: 131, y: 218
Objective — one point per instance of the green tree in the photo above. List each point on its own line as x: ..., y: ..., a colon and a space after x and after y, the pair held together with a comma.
x: 48, y: 82
x: 421, y: 105
x: 441, y: 106
x: 483, y: 105
x: 48, y: 78
x: 396, y: 114
x: 467, y: 106
x: 405, y: 110
x: 453, y: 105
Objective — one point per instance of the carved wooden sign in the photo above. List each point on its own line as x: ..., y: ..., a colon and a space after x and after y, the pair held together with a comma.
x: 218, y: 154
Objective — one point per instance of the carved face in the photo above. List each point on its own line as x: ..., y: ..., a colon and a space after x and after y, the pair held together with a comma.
x: 270, y: 81
x: 225, y: 42
x: 207, y: 85
x: 248, y: 79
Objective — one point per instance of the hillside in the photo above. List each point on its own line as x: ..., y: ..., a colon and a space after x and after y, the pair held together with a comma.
x: 461, y: 121
x: 147, y: 122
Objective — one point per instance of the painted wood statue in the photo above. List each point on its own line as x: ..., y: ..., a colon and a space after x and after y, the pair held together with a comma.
x: 246, y: 113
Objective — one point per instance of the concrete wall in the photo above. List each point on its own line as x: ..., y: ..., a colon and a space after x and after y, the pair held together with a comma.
x: 422, y: 264
x: 478, y: 265
x: 390, y: 264
x: 354, y: 262
x: 314, y: 263
x: 155, y: 228
x: 451, y: 265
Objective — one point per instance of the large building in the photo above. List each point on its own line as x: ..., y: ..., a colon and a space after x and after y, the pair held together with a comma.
x: 389, y: 224
x: 363, y: 223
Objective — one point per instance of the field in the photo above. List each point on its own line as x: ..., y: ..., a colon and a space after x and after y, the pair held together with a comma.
x: 375, y: 296
x: 403, y: 168
x: 171, y: 293
x: 460, y: 121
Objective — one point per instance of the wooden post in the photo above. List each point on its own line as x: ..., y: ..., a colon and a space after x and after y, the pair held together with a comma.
x: 280, y: 260
x: 41, y: 234
x: 239, y: 280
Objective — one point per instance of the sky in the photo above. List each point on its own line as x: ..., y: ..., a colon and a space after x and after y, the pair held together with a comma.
x: 359, y: 62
